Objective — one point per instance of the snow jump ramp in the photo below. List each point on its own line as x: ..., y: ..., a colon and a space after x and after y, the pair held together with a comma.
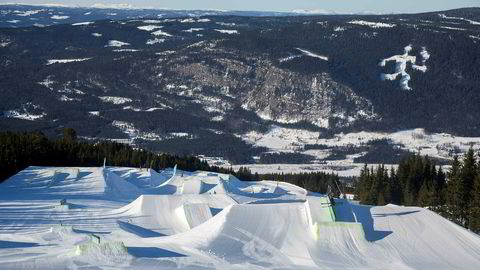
x: 172, y: 214
x: 239, y: 233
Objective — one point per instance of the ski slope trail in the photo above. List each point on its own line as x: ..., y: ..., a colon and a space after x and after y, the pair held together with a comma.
x: 129, y: 218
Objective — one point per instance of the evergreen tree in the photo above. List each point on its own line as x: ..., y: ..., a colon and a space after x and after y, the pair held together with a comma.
x: 455, y: 193
x: 417, y: 182
x: 362, y: 185
x: 439, y: 191
x: 396, y: 188
x: 468, y: 174
x: 425, y: 195
x: 69, y: 135
x: 474, y: 210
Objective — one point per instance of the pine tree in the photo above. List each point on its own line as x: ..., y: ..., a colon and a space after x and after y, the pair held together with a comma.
x: 455, y: 193
x: 439, y: 192
x: 468, y: 174
x: 474, y: 210
x: 425, y: 195
x: 381, y: 199
x: 372, y: 192
x: 362, y: 185
x: 69, y: 135
x: 396, y: 188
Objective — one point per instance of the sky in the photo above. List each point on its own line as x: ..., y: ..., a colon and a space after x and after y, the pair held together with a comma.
x: 329, y: 6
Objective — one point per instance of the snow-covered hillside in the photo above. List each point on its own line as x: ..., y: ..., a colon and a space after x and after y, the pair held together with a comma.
x: 126, y: 218
x: 440, y: 146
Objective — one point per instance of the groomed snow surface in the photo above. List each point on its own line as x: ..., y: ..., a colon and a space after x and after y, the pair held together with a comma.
x: 127, y: 218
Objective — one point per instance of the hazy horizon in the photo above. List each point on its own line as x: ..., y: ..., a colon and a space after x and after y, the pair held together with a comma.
x: 318, y: 6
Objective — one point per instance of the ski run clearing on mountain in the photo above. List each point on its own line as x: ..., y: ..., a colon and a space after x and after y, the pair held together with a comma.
x: 372, y: 24
x: 63, y: 61
x: 308, y: 53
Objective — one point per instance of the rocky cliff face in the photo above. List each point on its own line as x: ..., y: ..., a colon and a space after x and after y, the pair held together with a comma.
x: 272, y: 92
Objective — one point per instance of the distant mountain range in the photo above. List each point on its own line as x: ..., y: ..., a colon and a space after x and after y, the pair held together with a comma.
x: 13, y: 15
x: 208, y: 82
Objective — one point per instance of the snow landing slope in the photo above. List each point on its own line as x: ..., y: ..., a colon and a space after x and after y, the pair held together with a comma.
x: 127, y: 218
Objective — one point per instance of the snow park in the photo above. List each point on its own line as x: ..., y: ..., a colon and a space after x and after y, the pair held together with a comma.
x: 129, y: 218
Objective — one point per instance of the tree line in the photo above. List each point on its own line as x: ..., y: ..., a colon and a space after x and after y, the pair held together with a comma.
x: 20, y: 150
x: 315, y: 181
x: 279, y: 158
x: 417, y: 182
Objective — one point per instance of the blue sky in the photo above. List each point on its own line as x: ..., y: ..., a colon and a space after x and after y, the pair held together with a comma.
x: 339, y: 6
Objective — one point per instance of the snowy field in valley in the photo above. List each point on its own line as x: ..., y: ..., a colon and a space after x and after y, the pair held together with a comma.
x: 127, y: 218
x: 340, y: 168
x: 442, y: 146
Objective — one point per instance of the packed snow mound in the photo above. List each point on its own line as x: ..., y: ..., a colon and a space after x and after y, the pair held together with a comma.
x: 65, y: 183
x: 55, y: 183
x: 209, y: 183
x: 195, y: 213
x: 62, y: 233
x: 142, y: 178
x: 119, y: 187
x: 170, y: 215
x: 112, y: 252
x: 275, y: 233
x: 195, y: 187
x: 404, y: 232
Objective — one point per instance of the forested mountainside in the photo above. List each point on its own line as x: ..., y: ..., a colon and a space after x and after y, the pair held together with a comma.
x: 22, y: 15
x: 197, y: 85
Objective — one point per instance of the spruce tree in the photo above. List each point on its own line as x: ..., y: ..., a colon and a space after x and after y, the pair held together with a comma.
x: 425, y: 195
x: 468, y: 174
x: 455, y: 193
x: 396, y: 188
x: 69, y: 135
x: 439, y: 192
x: 474, y: 210
x: 362, y: 185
